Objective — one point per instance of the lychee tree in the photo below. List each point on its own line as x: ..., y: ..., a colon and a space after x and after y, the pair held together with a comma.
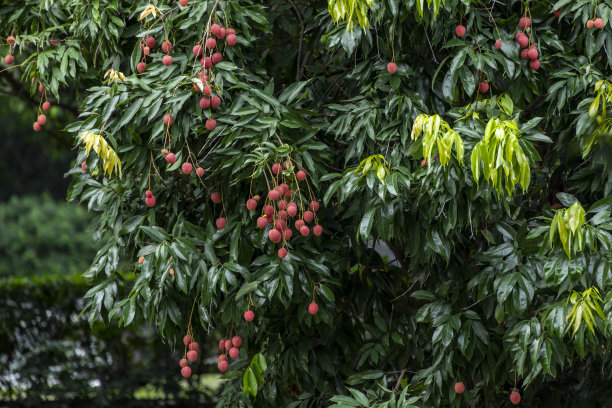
x: 390, y: 204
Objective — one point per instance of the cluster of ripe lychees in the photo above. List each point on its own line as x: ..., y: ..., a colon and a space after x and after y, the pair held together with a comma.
x: 9, y: 59
x: 596, y: 22
x: 515, y: 396
x: 229, y: 348
x: 529, y: 50
x: 191, y: 355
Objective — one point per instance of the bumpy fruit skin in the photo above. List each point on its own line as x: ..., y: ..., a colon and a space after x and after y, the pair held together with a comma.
x: 216, y: 58
x: 460, y: 31
x: 313, y: 308
x: 234, y: 352
x: 150, y: 41
x: 308, y: 216
x: 36, y: 126
x: 274, y: 235
x: 523, y: 41
x: 283, y: 214
x: 215, y: 101
x: 282, y: 253
x: 192, y: 355
x: 222, y: 357
x: 194, y: 346
x: 590, y: 24
x: 166, y: 46
x: 292, y: 209
x: 9, y: 59
x: 186, y: 372
x: 10, y: 39
x: 167, y: 60
x: 211, y: 124
x: 187, y: 168
x: 599, y: 23
x: 207, y: 90
x: 42, y: 119
x: 534, y: 64
x: 287, y: 234
x: 150, y: 201
x: 262, y: 222
x: 222, y: 345
x: 215, y: 29
x: 141, y: 260
x: 249, y: 315
x: 276, y: 168
x: 280, y: 225
x: 483, y: 87
x: 391, y: 68
x: 206, y: 62
x: 515, y: 398
x: 304, y: 230
x: 222, y: 366
x: 184, y: 2
x: 146, y: 51
x: 171, y: 158
x: 187, y: 340
x: 498, y: 44
x: 237, y: 341
x: 532, y: 53
x: 46, y: 106
x: 525, y: 54
x: 273, y: 195
x: 301, y: 175
x: 84, y: 164
x: 251, y: 204
x: 183, y: 362
x: 230, y: 31
x: 228, y: 344
x: 231, y: 39
x: 197, y: 50
x: 282, y: 205
x: 141, y: 67
x: 221, y: 33
x: 299, y: 224
x: 524, y: 22
x: 205, y: 103
x: 168, y: 119
x: 211, y: 43
x: 317, y: 230
x: 200, y: 172
x: 314, y: 206
x: 459, y: 388
x: 221, y: 223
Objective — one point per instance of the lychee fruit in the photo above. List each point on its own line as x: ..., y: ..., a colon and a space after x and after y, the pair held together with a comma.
x: 207, y: 90
x: 186, y: 372
x: 282, y: 205
x: 217, y: 57
x: 292, y: 209
x: 53, y: 43
x: 193, y: 346
x: 534, y: 64
x: 42, y: 119
x: 41, y: 88
x: 313, y: 308
x: 262, y: 222
x: 222, y: 344
x: 146, y: 51
x: 276, y: 168
x: 46, y: 106
x: 523, y: 41
x: 168, y: 119
x: 183, y: 3
x: 222, y: 357
x: 525, y: 54
x: 299, y: 223
x: 10, y: 39
x: 304, y: 230
x: 498, y: 44
x: 308, y: 216
x: 150, y: 41
x: 206, y: 62
x: 287, y: 234
x: 187, y: 340
x: 237, y: 341
x: 197, y: 50
x: 231, y: 39
x: 460, y: 31
x: 273, y: 195
x: 200, y: 172
x: 249, y: 315
x: 557, y: 12
x: 423, y: 162
x: 222, y: 366
x: 314, y: 206
x: 9, y: 59
x: 515, y: 397
x: 141, y: 259
x: 274, y: 235
x: 599, y: 23
x: 288, y: 193
x: 228, y: 344
x: 280, y: 225
x: 166, y: 47
x: 392, y: 68
x: 187, y: 168
x: 234, y: 352
x: 171, y: 272
x: 221, y: 33
x: 300, y: 175
x: 251, y: 204
x: 524, y: 22
x: 532, y: 53
x: 214, y: 29
x: 215, y: 101
x: 211, y: 124
x: 170, y: 158
x: 590, y: 24
x: 282, y: 252
x: 220, y: 222
x: 283, y: 214
x: 211, y: 43
x: 483, y: 87
x: 317, y: 230
x: 192, y: 355
x: 83, y: 165
x: 167, y: 60
x: 459, y: 388
x: 183, y: 362
x: 269, y: 210
x: 36, y: 126
x: 205, y: 103
x: 141, y: 67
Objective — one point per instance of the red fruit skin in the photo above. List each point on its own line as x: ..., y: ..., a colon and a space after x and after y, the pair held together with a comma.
x: 146, y: 51
x: 221, y: 222
x: 269, y: 210
x: 141, y: 67
x: 599, y: 23
x: 150, y: 41
x: 314, y: 206
x: 42, y: 119
x: 305, y: 231
x: 221, y: 345
x: 525, y: 54
x: 10, y: 39
x: 206, y: 62
x: 215, y: 101
x: 166, y: 46
x: 313, y: 308
x: 215, y: 28
x: 274, y: 235
x: 222, y: 357
x: 276, y: 168
x: 148, y: 193
x: 534, y: 64
x: 459, y: 388
x: 207, y: 90
x: 251, y: 204
x: 202, y: 76
x: 262, y: 222
x: 249, y: 315
x: 221, y: 33
x: 167, y: 60
x: 524, y: 22
x: 46, y: 106
x: 299, y: 224
x: 200, y: 172
x: 36, y: 126
x: 234, y: 352
x: 283, y: 214
x: 231, y: 40
x: 308, y: 216
x: 186, y: 372
x: 194, y: 346
x: 391, y: 68
x: 237, y: 341
x: 84, y: 167
x: 557, y: 12
x: 280, y: 225
x: 228, y: 344
x: 590, y: 24
x: 532, y: 53
x: 229, y: 31
x: 222, y: 366
x: 41, y: 89
x: 192, y: 355
x: 211, y: 43
x: 187, y: 168
x: 287, y: 234
x: 9, y: 59
x: 498, y: 44
x: 483, y: 87
x: 282, y: 253
x: 197, y: 50
x: 217, y: 57
x: 187, y: 340
x: 292, y: 210
x: 288, y: 193
x: 282, y: 205
x: 183, y: 363
x: 300, y: 175
x: 168, y: 119
x: 205, y: 103
x: 515, y: 398
x: 423, y: 162
x: 211, y: 124
x: 317, y: 230
x: 273, y: 195
x: 460, y: 31
x: 523, y: 41
x: 171, y: 158
x: 150, y: 201
x: 184, y: 2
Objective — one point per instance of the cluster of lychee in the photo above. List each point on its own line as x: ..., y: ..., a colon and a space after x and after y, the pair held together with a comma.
x: 595, y: 22
x: 9, y: 59
x: 229, y: 348
x: 529, y: 50
x: 515, y: 396
x: 191, y: 355
x: 216, y: 198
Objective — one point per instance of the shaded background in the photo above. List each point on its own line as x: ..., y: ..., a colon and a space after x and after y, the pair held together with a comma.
x: 49, y: 356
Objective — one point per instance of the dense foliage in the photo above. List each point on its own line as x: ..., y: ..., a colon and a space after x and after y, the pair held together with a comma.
x: 463, y: 192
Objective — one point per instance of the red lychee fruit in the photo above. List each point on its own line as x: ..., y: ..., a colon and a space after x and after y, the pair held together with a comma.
x: 523, y: 41
x: 483, y: 87
x: 423, y: 162
x: 313, y: 308
x: 287, y: 234
x: 524, y: 22
x: 525, y: 54
x: 228, y: 344
x: 207, y: 90
x: 222, y: 357
x: 167, y: 60
x: 141, y: 67
x: 515, y: 397
x: 287, y: 164
x: 533, y: 52
x: 459, y: 388
x: 168, y: 119
x: 186, y: 372
x: 222, y: 365
x: 498, y: 44
x: 46, y: 106
x: 288, y: 193
x: 171, y: 272
x: 557, y: 12
x: 292, y: 209
x: 205, y: 103
x: 262, y: 222
x: 192, y: 355
x: 221, y: 222
x: 42, y: 119
x: 280, y: 225
x: 237, y: 341
x: 150, y: 41
x: 187, y: 168
x: 222, y: 344
x: 590, y: 24
x: 231, y: 39
x: 148, y: 193
x: 282, y: 205
x: 299, y: 224
x: 273, y: 195
x: 141, y: 259
x: 171, y: 158
x: 305, y: 231
x: 206, y: 62
x: 10, y: 39
x: 283, y: 214
x: 234, y: 352
x: 221, y: 33
x: 215, y: 101
x: 392, y: 68
x: 460, y: 31
x: 183, y: 362
x: 314, y: 206
x: 53, y: 43
x: 9, y: 59
x: 211, y: 43
x: 166, y: 47
x: 300, y: 175
x: 200, y: 172
x: 308, y: 216
x: 146, y: 51
x: 217, y: 57
x: 203, y: 76
x: 41, y: 88
x: 184, y: 2
x: 269, y: 210
x: 274, y: 235
x: 599, y: 23
x: 214, y: 29
x: 197, y: 50
x: 193, y: 346
x: 150, y: 201
x: 249, y: 315
x: 83, y: 165
x: 187, y: 340
x: 317, y: 230
x: 534, y: 64
x: 282, y: 253
x: 251, y: 204
x: 211, y: 124
x: 276, y: 168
